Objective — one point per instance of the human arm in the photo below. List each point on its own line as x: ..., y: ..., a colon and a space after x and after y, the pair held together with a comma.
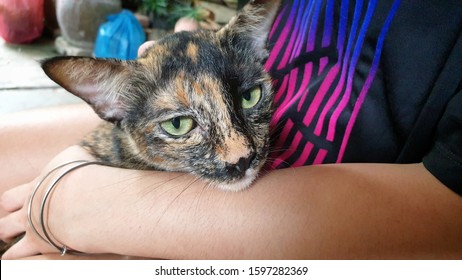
x: 26, y: 137
x: 331, y: 211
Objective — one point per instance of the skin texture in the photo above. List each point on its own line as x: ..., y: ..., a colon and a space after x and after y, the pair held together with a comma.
x: 317, y: 212
x: 26, y: 136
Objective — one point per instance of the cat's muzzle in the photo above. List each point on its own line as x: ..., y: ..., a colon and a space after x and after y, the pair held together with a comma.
x: 242, y: 183
x: 239, y: 169
x: 241, y: 174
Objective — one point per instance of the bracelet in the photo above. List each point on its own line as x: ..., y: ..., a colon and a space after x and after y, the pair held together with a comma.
x: 48, y: 236
x: 37, y: 186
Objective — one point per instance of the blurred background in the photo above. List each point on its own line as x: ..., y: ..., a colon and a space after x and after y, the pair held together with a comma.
x: 33, y: 30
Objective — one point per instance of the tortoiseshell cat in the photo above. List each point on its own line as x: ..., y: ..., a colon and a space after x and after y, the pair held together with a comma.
x: 197, y: 102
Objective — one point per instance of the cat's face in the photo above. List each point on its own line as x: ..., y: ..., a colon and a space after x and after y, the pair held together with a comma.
x: 195, y: 102
x: 204, y: 107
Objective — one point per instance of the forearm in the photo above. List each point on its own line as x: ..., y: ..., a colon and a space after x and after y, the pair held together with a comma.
x: 337, y: 211
x: 30, y: 139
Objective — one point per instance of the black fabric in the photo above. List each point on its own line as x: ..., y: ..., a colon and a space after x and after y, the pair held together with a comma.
x: 412, y: 110
x: 445, y: 157
x: 435, y: 137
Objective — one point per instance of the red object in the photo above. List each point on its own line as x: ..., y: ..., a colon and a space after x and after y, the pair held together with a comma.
x: 21, y: 21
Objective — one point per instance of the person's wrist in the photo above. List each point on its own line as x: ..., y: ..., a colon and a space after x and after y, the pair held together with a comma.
x: 63, y: 206
x: 74, y: 215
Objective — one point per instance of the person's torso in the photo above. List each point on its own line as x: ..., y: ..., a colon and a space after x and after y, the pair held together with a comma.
x: 352, y: 77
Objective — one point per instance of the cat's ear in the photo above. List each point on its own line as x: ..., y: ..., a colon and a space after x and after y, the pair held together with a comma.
x: 102, y: 83
x: 251, y: 26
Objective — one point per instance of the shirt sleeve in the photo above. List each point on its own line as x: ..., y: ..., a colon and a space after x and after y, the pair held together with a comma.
x: 444, y: 160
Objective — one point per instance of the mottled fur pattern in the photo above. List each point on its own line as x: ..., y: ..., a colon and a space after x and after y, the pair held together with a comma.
x: 201, y: 75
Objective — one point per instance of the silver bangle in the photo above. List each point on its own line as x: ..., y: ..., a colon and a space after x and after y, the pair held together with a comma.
x: 29, y: 208
x: 48, y: 237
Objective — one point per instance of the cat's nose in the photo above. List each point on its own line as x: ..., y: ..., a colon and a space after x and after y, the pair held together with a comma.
x: 242, y: 165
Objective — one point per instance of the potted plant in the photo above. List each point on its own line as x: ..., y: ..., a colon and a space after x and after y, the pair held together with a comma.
x: 164, y: 14
x: 157, y: 11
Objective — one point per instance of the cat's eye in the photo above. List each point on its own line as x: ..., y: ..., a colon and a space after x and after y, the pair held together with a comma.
x: 251, y: 98
x: 178, y: 126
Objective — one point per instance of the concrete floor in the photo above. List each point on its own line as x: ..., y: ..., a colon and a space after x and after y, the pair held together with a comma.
x: 23, y: 85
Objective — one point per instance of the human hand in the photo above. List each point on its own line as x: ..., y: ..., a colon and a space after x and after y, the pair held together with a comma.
x: 91, y: 210
x: 183, y: 24
x: 16, y: 201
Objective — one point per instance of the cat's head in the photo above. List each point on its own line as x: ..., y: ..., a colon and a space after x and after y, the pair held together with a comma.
x: 196, y: 102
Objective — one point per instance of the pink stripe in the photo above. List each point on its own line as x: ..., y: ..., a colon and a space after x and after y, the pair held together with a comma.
x: 302, y: 91
x: 338, y: 111
x: 307, y: 76
x: 302, y: 102
x: 320, y: 157
x: 281, y: 89
x: 354, y: 60
x: 292, y: 84
x: 325, y: 86
x: 333, y: 72
x: 322, y: 64
x: 301, y: 39
x: 304, y: 156
x: 304, y: 88
x: 330, y: 103
x: 284, y: 134
x: 282, y: 139
x: 288, y: 99
x: 348, y: 67
x: 289, y: 152
x: 354, y: 114
x: 279, y: 44
x: 295, y: 33
x: 368, y: 82
x: 276, y: 22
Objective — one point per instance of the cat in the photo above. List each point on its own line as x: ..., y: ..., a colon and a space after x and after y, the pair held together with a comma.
x: 197, y: 102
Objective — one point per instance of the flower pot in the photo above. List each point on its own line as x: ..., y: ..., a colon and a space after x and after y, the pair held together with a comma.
x: 79, y: 21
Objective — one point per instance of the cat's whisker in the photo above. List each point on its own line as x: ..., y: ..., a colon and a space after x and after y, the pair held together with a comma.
x: 273, y: 160
x: 128, y: 177
x: 206, y: 186
x: 281, y: 150
x: 153, y: 187
x: 264, y: 172
x: 188, y: 185
x: 276, y: 130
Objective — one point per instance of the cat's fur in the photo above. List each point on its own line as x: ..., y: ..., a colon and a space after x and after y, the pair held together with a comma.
x: 201, y: 75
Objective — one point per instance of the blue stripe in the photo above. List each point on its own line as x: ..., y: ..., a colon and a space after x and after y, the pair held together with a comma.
x: 328, y: 24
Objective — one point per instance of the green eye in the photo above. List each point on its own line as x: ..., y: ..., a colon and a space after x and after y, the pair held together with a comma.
x: 251, y: 98
x: 178, y: 126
